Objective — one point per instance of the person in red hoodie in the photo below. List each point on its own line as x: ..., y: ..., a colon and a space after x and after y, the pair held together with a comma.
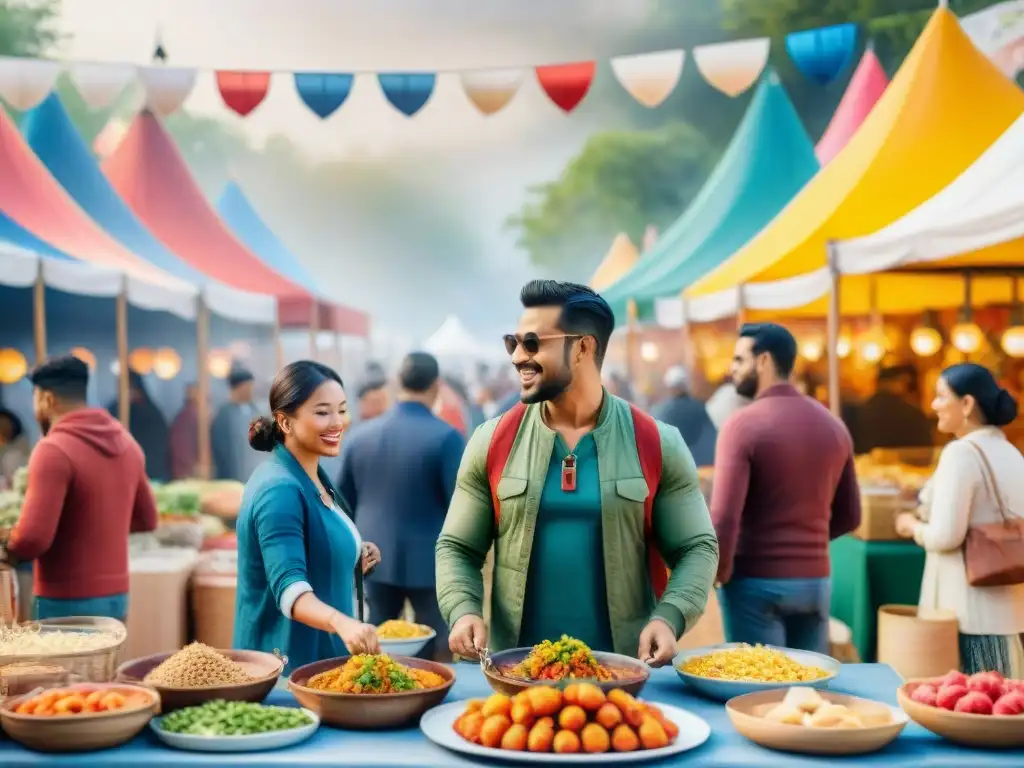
x: 87, y: 490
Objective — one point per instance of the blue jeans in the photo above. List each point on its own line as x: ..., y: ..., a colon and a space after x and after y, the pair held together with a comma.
x: 788, y: 613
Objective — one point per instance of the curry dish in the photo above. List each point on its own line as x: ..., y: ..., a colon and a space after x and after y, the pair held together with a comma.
x: 567, y: 658
x: 378, y: 674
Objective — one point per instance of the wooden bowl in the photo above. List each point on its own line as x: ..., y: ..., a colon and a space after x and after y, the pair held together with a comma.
x: 985, y: 731
x: 264, y: 668
x: 82, y: 732
x: 747, y: 715
x: 369, y: 711
x: 634, y: 677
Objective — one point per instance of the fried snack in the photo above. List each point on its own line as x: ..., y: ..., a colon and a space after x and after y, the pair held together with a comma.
x: 805, y: 707
x: 374, y: 674
x: 752, y: 664
x: 559, y: 660
x: 397, y: 629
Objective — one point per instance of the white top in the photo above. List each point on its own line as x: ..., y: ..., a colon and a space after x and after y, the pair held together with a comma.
x: 954, y: 499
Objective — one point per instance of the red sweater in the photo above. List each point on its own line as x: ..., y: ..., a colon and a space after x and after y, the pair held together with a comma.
x: 784, y: 486
x: 87, y: 489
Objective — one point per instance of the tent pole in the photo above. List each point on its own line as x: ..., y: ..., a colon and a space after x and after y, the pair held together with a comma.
x: 741, y: 308
x: 123, y: 389
x: 39, y: 312
x: 834, y: 394
x: 203, y: 386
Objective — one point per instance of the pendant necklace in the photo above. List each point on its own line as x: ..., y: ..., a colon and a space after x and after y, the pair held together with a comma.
x: 569, y: 472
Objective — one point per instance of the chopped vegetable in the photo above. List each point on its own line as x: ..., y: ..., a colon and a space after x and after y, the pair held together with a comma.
x: 233, y: 718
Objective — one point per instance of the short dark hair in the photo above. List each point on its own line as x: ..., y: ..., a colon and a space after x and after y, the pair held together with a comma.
x: 17, y: 429
x: 371, y: 385
x: 584, y: 312
x: 418, y: 372
x: 774, y: 339
x: 293, y: 385
x: 65, y: 377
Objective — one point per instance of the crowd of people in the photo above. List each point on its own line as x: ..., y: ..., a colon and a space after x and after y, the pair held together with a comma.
x: 590, y: 507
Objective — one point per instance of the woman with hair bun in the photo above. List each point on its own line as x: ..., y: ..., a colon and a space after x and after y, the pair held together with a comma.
x: 300, y: 556
x: 973, y: 469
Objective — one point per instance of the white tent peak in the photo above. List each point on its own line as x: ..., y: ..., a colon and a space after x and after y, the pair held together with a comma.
x: 452, y: 339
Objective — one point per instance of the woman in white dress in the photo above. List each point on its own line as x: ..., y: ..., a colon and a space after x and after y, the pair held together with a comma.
x: 973, y: 408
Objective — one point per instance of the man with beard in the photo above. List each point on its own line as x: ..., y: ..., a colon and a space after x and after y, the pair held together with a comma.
x: 87, y: 490
x: 784, y: 487
x: 585, y: 499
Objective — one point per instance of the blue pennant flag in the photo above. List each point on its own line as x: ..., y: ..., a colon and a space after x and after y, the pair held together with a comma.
x: 408, y: 93
x: 822, y: 54
x: 323, y: 93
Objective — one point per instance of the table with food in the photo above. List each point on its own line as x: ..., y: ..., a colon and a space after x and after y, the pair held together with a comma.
x: 64, y: 694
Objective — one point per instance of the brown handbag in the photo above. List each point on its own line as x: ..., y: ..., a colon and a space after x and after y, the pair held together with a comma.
x: 994, y: 553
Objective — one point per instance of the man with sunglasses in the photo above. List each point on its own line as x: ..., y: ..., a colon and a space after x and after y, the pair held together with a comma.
x: 585, y: 499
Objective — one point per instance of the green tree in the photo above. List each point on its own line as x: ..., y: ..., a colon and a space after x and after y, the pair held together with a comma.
x: 28, y: 30
x: 621, y: 182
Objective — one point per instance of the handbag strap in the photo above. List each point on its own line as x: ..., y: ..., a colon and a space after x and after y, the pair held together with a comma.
x: 990, y: 481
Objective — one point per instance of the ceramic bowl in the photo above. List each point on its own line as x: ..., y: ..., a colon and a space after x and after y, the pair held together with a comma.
x: 264, y: 668
x: 985, y: 731
x: 369, y: 711
x: 747, y: 715
x: 632, y: 675
x: 81, y: 732
x: 406, y: 646
x: 724, y: 690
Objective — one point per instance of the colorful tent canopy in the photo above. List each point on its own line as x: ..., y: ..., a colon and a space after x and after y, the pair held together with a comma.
x: 51, y: 135
x: 248, y: 226
x: 947, y: 104
x: 621, y: 258
x: 149, y: 173
x: 451, y: 340
x: 866, y: 87
x: 768, y: 161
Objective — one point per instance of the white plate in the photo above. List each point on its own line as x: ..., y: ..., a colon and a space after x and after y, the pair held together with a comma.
x: 437, y: 724
x: 405, y: 646
x: 254, y: 743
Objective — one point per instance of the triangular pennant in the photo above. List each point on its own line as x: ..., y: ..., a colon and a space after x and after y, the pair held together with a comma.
x: 822, y: 54
x: 734, y: 66
x: 491, y: 90
x: 407, y: 92
x: 100, y: 84
x: 243, y: 91
x: 323, y: 92
x: 650, y: 78
x: 167, y: 88
x: 26, y: 82
x: 567, y: 84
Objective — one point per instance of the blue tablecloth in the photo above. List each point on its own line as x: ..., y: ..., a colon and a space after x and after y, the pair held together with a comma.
x: 725, y: 749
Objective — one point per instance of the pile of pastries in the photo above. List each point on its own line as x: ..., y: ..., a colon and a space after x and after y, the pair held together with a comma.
x: 806, y: 707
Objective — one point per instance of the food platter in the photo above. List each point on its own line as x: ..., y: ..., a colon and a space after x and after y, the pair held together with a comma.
x: 230, y: 744
x: 438, y: 726
x: 630, y: 675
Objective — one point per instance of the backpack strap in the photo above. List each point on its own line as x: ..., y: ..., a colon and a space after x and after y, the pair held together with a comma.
x: 648, y: 448
x: 500, y: 448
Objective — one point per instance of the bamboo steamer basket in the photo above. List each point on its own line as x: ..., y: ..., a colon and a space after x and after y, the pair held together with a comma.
x: 213, y: 609
x: 96, y: 666
x: 918, y: 645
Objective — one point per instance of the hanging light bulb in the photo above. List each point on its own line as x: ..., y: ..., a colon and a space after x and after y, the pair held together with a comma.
x: 966, y: 336
x: 812, y: 350
x: 872, y: 345
x: 1013, y: 337
x: 925, y: 339
x: 166, y: 364
x: 141, y: 361
x: 844, y: 345
x: 649, y: 352
x: 219, y: 363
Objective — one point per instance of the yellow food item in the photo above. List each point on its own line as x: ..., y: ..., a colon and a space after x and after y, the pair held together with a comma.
x: 197, y: 666
x: 805, y: 707
x: 752, y: 664
x: 374, y: 674
x: 396, y: 629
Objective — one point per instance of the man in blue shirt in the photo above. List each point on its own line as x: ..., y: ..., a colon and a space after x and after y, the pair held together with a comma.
x: 398, y: 475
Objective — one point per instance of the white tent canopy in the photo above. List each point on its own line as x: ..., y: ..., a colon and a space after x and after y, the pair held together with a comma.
x: 452, y: 341
x: 981, y: 208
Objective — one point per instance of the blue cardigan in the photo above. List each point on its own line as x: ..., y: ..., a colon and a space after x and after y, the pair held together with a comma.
x: 286, y: 535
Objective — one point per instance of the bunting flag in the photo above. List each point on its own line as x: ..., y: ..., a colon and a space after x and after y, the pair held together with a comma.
x: 408, y: 92
x: 491, y: 90
x: 323, y: 92
x: 734, y: 66
x: 243, y: 91
x: 567, y: 84
x: 823, y: 54
x: 166, y: 88
x: 650, y: 78
x: 24, y: 83
x: 100, y: 84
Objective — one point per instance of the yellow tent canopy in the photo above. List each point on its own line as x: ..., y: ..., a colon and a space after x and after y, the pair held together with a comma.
x: 946, y: 105
x: 619, y: 260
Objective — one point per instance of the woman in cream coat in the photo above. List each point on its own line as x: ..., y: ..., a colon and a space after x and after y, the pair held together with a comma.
x: 972, y: 407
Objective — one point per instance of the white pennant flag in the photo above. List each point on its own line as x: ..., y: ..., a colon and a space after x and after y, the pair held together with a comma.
x: 167, y: 88
x: 24, y: 83
x: 99, y: 84
x: 734, y: 66
x: 491, y: 90
x: 650, y: 78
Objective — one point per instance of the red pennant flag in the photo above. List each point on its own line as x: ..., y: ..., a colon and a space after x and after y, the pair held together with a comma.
x: 567, y: 84
x: 243, y: 91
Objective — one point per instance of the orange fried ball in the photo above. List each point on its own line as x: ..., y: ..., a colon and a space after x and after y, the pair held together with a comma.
x: 652, y: 735
x: 522, y: 712
x: 498, y: 704
x: 571, y: 693
x: 624, y: 739
x: 591, y: 697
x: 540, y: 738
x: 572, y: 718
x: 515, y: 738
x: 609, y: 716
x: 595, y: 739
x: 471, y: 727
x: 493, y: 730
x: 545, y: 700
x: 632, y: 710
x: 566, y: 742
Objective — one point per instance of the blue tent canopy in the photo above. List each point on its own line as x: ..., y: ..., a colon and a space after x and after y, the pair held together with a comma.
x: 768, y: 161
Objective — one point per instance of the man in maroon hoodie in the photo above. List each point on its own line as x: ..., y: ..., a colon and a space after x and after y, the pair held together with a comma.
x: 87, y: 490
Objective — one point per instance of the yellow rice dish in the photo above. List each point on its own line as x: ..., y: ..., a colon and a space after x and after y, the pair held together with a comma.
x: 752, y: 664
x: 396, y: 629
x: 374, y: 675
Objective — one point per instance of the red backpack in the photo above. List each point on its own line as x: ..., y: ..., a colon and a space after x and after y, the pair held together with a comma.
x: 648, y: 447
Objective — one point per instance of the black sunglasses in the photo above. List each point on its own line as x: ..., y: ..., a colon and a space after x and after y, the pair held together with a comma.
x: 530, y: 342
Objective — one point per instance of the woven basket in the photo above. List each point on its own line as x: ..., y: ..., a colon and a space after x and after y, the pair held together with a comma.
x: 97, y: 666
x: 915, y: 645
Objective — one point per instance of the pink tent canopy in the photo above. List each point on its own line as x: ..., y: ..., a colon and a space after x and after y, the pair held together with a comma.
x: 865, y: 89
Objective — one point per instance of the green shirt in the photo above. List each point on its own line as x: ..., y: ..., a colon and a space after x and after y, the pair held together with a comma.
x: 565, y: 585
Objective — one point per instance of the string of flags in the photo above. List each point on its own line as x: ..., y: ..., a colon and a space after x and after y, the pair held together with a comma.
x: 732, y: 67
